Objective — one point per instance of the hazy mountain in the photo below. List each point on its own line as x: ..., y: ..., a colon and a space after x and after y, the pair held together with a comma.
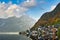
x: 13, y: 18
x: 14, y: 24
x: 49, y: 18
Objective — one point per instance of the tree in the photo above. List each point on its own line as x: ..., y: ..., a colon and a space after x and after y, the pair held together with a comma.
x: 58, y: 33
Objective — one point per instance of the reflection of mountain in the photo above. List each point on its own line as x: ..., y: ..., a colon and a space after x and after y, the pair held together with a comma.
x: 16, y: 24
x: 49, y: 18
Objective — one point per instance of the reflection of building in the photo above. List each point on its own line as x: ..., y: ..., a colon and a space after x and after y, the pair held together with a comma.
x: 34, y: 35
x: 47, y: 32
x: 54, y: 30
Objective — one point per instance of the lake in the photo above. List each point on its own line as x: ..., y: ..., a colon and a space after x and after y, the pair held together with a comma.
x: 13, y: 37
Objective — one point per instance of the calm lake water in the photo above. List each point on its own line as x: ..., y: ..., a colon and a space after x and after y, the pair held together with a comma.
x: 13, y: 37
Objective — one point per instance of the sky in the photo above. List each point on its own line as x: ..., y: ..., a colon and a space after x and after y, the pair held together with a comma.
x: 33, y: 8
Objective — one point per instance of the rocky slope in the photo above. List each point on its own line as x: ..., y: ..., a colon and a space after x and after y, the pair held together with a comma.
x: 49, y: 18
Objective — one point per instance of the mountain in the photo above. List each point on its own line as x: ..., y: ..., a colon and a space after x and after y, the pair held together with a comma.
x: 14, y: 24
x: 49, y: 18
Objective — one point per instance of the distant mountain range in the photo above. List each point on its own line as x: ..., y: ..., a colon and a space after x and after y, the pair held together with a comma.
x: 13, y: 18
x: 49, y: 18
x: 14, y: 24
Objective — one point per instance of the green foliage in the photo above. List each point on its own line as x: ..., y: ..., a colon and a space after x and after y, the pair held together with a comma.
x: 58, y: 33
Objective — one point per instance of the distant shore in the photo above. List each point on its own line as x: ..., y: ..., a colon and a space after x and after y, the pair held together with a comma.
x: 16, y: 33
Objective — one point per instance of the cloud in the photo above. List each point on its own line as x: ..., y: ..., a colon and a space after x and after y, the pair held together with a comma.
x: 53, y: 7
x: 42, y: 1
x: 28, y: 3
x: 15, y: 10
x: 9, y: 10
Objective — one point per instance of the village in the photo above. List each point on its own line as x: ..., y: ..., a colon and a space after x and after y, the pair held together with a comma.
x: 43, y: 33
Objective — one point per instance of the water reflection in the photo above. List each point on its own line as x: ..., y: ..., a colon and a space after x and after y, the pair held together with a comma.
x: 13, y: 37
